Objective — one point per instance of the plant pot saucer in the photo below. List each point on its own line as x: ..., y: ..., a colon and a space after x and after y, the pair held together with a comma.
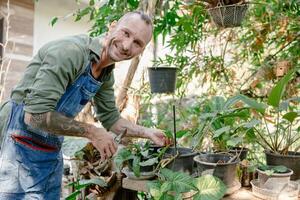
x: 290, y: 192
x: 143, y: 175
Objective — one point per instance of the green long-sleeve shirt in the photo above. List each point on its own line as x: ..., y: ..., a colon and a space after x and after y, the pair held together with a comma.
x: 56, y: 65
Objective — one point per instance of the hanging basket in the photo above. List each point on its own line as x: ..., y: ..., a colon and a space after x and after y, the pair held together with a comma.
x: 162, y: 79
x: 228, y: 15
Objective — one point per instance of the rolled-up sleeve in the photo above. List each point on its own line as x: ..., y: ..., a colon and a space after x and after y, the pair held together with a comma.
x: 60, y: 64
x: 105, y: 105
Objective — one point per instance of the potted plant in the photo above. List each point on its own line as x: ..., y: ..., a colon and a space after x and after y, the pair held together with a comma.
x: 273, y: 177
x: 279, y: 135
x: 179, y: 159
x: 220, y: 165
x: 178, y: 185
x: 162, y: 79
x: 228, y: 125
x: 227, y: 13
x: 140, y: 158
x: 274, y: 183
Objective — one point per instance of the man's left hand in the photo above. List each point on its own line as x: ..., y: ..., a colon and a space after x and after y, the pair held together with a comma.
x: 157, y: 136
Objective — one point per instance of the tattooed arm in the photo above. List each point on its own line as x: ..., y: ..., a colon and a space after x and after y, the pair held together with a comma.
x: 59, y: 124
x: 133, y: 130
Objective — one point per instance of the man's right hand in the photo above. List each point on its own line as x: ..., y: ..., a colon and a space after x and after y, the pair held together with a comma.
x: 103, y: 142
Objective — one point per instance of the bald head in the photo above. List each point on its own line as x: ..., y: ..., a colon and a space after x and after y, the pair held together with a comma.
x: 146, y: 18
x: 129, y: 36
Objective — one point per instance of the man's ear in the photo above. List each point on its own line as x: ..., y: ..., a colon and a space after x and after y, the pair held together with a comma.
x: 112, y: 26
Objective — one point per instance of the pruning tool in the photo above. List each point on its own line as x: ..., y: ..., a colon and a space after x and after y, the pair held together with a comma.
x: 118, y: 138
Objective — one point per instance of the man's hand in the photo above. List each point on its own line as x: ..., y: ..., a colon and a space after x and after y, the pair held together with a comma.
x: 103, y: 142
x: 157, y: 136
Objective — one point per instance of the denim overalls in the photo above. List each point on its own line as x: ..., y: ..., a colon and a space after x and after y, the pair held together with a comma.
x: 31, y: 161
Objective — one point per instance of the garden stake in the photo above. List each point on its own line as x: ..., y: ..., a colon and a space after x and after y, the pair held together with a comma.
x: 174, y: 123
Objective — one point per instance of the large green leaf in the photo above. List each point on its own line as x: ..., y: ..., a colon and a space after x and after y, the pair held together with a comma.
x: 252, y: 123
x: 234, y: 141
x: 181, y: 133
x: 123, y: 155
x: 260, y: 107
x: 210, y: 188
x: 179, y: 182
x: 145, y: 153
x: 231, y: 101
x: 86, y: 182
x: 279, y: 89
x: 284, y: 105
x: 154, y: 188
x: 220, y: 131
x: 149, y: 162
x: 290, y: 116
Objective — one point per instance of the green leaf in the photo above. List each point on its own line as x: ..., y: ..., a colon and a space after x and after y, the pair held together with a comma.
x: 269, y: 172
x: 252, y: 123
x: 285, y: 104
x: 153, y: 188
x: 234, y: 141
x: 210, y: 188
x: 290, y: 116
x: 145, y: 153
x: 135, y: 166
x: 179, y: 182
x: 73, y: 195
x: 122, y: 156
x: 260, y: 107
x: 279, y: 89
x: 207, y: 115
x: 166, y: 186
x: 181, y: 133
x: 168, y: 133
x: 149, y: 162
x: 86, y: 182
x: 280, y: 169
x: 220, y: 131
x: 53, y: 21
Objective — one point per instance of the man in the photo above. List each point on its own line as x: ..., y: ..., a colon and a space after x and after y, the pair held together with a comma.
x: 59, y: 81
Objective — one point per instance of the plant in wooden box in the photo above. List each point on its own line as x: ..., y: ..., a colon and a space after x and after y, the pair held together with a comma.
x: 178, y: 185
x: 141, y: 159
x: 279, y: 135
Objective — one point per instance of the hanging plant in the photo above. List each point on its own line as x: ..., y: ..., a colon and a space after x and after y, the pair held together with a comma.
x: 228, y: 13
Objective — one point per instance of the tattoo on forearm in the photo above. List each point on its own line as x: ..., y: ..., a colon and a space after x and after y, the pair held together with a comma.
x: 59, y: 124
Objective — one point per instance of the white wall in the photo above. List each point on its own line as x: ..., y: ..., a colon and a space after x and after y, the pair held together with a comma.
x: 43, y: 13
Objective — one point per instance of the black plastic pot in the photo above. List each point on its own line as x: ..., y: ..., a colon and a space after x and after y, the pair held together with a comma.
x: 216, y: 164
x: 183, y: 162
x: 242, y: 151
x: 162, y: 79
x: 292, y: 161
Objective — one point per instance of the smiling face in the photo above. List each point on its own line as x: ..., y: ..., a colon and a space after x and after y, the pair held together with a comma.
x: 128, y: 37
